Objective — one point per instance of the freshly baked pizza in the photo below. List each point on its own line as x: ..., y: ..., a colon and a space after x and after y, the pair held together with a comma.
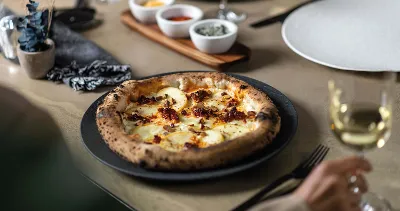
x: 187, y: 121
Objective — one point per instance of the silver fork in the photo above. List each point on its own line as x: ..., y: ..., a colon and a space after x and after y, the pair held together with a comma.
x: 289, y: 181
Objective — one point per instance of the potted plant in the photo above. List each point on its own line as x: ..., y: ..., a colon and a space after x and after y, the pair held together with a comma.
x: 36, y: 52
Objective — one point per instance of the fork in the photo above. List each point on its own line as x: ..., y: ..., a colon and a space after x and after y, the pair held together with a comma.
x: 288, y: 181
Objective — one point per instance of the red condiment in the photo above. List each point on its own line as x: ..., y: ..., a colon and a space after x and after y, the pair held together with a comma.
x: 180, y: 18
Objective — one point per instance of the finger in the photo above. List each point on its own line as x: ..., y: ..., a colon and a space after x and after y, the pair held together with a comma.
x: 361, y: 183
x: 343, y: 202
x: 350, y: 202
x: 355, y: 208
x: 350, y: 208
x: 332, y: 185
x: 349, y: 164
x: 354, y: 199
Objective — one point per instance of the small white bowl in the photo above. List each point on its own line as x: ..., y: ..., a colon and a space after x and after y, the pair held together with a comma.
x: 146, y: 14
x: 214, y: 44
x: 178, y: 29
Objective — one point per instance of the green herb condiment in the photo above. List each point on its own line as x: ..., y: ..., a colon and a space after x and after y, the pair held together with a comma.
x: 213, y: 30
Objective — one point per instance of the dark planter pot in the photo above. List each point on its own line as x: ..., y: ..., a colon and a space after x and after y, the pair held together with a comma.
x: 37, y: 64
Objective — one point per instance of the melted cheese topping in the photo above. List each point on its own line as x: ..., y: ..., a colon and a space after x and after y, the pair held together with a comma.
x: 147, y: 132
x: 168, y: 119
x: 232, y: 131
x: 177, y: 95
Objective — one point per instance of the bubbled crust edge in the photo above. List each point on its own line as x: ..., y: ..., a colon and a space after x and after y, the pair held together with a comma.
x: 154, y: 157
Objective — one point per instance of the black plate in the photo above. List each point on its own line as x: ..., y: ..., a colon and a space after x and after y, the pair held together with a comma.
x: 97, y: 147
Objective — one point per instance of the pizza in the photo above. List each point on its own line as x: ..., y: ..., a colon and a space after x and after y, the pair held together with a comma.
x: 187, y: 121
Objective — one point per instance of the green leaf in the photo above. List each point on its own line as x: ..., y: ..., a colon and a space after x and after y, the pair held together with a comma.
x: 31, y: 7
x: 33, y: 28
x: 23, y: 38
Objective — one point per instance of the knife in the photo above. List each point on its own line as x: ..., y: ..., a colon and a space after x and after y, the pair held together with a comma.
x: 278, y: 18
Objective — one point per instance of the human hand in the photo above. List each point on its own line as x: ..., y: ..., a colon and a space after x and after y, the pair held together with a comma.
x: 327, y: 188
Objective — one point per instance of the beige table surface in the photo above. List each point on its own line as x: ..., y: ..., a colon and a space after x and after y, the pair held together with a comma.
x: 304, y: 82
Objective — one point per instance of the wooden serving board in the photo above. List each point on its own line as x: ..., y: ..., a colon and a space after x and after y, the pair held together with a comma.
x: 238, y: 53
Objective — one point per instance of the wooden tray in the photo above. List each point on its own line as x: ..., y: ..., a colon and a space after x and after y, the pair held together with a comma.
x: 238, y: 53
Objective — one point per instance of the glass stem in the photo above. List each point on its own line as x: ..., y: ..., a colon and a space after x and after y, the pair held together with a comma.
x: 361, y: 154
x: 353, y: 178
x: 223, y: 5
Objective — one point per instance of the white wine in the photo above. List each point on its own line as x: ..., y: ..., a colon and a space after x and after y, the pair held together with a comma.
x: 361, y: 126
x: 362, y: 119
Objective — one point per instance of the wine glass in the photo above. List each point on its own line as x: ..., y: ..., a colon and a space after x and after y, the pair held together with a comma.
x: 225, y: 13
x: 360, y: 114
x: 107, y: 1
x: 8, y: 36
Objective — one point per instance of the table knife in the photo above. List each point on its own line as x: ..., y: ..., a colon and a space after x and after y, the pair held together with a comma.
x: 278, y: 18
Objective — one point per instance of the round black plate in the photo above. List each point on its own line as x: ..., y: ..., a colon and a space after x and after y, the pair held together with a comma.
x: 97, y: 147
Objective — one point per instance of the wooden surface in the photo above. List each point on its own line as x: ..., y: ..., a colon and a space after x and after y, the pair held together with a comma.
x: 272, y: 62
x: 238, y: 53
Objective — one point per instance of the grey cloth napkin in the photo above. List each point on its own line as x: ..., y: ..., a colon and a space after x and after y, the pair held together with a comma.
x: 72, y: 46
x: 83, y: 65
x: 89, y: 77
x: 80, y: 63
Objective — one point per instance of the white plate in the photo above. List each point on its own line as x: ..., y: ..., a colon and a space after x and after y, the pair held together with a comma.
x: 347, y: 34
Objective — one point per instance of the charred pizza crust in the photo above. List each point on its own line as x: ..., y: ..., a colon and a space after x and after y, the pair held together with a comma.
x: 146, y: 155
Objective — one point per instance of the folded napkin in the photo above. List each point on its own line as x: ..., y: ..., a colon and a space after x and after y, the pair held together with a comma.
x: 83, y: 65
x: 89, y: 77
x: 72, y: 46
x: 80, y: 63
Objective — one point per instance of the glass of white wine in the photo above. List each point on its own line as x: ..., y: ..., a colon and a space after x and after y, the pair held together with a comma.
x: 360, y: 114
x: 226, y: 13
